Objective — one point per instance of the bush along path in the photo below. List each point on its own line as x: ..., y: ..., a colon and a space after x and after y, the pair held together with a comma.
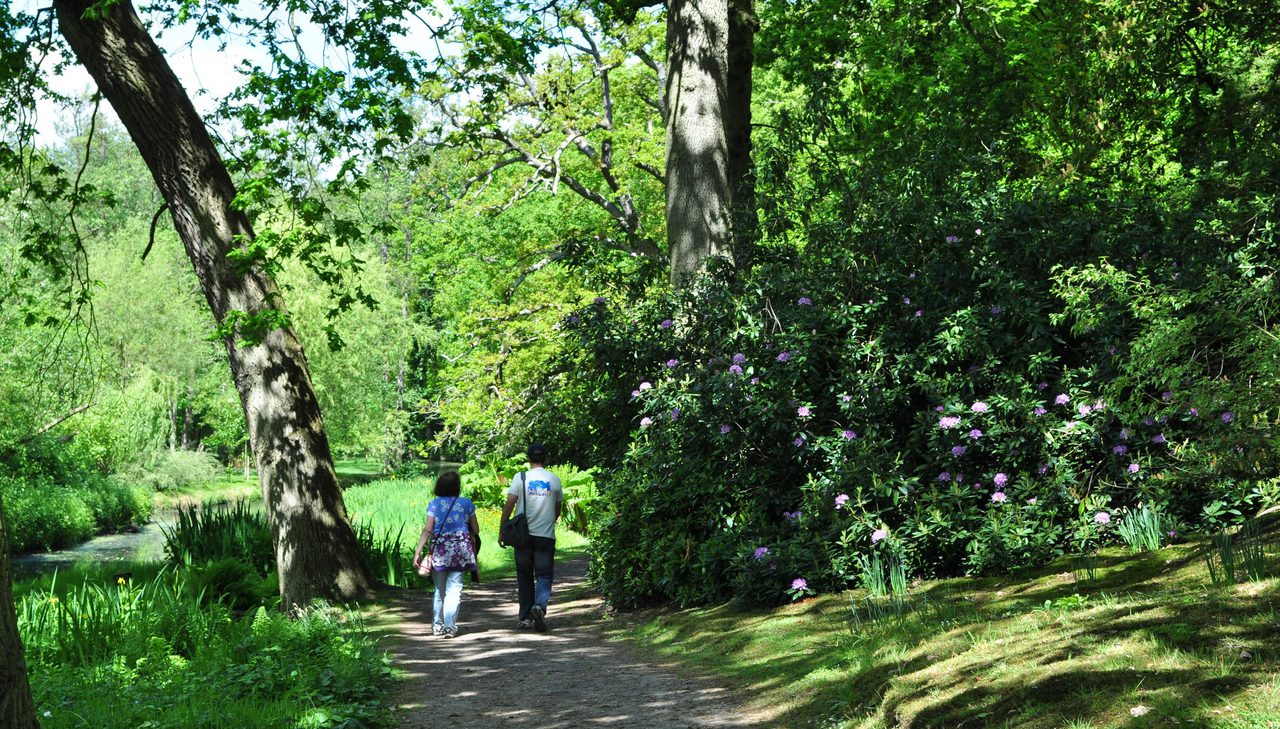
x: 496, y: 674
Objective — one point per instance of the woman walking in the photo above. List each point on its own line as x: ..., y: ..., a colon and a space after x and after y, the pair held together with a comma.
x: 452, y: 530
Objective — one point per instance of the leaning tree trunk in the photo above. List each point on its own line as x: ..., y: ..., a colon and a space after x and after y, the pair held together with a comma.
x: 17, y: 709
x: 698, y: 193
x: 315, y: 546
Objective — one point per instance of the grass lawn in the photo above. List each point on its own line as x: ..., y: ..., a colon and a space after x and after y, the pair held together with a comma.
x: 1148, y: 643
x: 233, y: 486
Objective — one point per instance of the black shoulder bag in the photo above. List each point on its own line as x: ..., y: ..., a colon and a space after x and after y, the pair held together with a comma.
x: 515, y: 533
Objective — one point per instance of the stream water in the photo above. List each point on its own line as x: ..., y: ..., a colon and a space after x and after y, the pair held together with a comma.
x: 144, y: 545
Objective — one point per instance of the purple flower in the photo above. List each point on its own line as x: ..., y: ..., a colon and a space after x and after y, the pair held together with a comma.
x: 911, y: 275
x: 739, y: 358
x: 1194, y: 412
x: 848, y: 434
x: 792, y: 516
x: 725, y: 428
x: 735, y: 369
x: 997, y: 310
x: 666, y: 323
x: 944, y: 476
x: 1158, y: 439
x: 919, y: 312
x: 949, y: 421
x: 760, y: 552
x: 1099, y: 406
x: 1042, y: 469
x: 1124, y: 434
x: 1032, y: 501
x: 1042, y: 386
x: 675, y: 413
x: 958, y: 451
x: 645, y: 386
x: 1228, y: 416
x: 1062, y: 399
x: 1120, y: 449
x: 1001, y: 479
x: 999, y: 497
x: 959, y: 478
x: 646, y: 422
x: 879, y: 535
x: 798, y: 442
x: 1084, y: 410
x: 975, y: 434
x: 846, y: 398
x: 599, y: 301
x: 755, y: 380
x: 953, y: 239
x: 1039, y: 411
x: 804, y: 301
x: 671, y: 363
x: 1134, y: 468
x: 979, y: 407
x: 906, y: 299
x: 1102, y: 517
x: 1166, y: 396
x: 635, y: 393
x: 575, y: 319
x: 841, y: 500
x: 804, y: 411
x: 939, y: 408
x: 799, y: 583
x: 784, y: 356
x: 1148, y: 421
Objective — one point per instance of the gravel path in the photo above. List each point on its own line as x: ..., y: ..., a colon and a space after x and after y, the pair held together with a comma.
x: 497, y: 675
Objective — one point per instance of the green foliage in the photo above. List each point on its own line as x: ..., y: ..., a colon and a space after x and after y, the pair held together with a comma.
x: 174, y: 470
x: 1245, y: 555
x: 1142, y: 529
x: 173, y: 656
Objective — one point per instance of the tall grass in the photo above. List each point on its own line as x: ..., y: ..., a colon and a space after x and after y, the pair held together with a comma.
x: 1142, y: 530
x: 1240, y: 555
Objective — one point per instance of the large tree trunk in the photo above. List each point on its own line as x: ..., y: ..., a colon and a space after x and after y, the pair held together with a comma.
x: 315, y: 546
x: 737, y: 126
x: 698, y: 192
x: 17, y: 710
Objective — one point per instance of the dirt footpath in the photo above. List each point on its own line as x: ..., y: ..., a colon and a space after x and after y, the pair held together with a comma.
x: 495, y: 674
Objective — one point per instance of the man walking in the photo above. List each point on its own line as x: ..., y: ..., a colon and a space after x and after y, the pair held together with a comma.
x: 538, y: 493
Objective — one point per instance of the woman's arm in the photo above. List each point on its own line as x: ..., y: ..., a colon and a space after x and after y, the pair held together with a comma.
x: 426, y: 534
x: 474, y: 526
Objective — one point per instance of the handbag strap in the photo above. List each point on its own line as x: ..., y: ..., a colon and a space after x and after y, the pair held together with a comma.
x: 524, y: 495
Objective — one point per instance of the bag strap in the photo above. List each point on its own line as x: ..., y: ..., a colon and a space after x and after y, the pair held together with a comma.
x: 524, y: 495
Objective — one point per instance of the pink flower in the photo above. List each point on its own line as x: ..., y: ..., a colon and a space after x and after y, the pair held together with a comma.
x: 948, y: 421
x: 1134, y: 468
x: 975, y: 434
x: 799, y: 583
x: 848, y: 434
x: 804, y: 411
x: 879, y: 535
x: 1032, y: 501
x: 999, y: 497
x: 1120, y: 449
x: 645, y: 386
x: 1001, y: 479
x: 841, y: 500
x: 846, y: 398
x: 755, y: 380
x: 646, y: 422
x: 671, y: 363
x: 1039, y: 411
x: 979, y: 407
x: 1102, y: 517
x: 1084, y: 410
x: 635, y: 393
x: 1061, y: 400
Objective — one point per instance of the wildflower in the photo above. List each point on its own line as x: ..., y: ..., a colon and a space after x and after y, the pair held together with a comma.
x: 1001, y: 479
x: 666, y: 324
x: 975, y: 434
x: 949, y: 421
x: 798, y: 442
x: 644, y: 386
x: 979, y: 407
x: 599, y: 301
x: 735, y: 369
x: 646, y: 422
x: 784, y: 356
x: 879, y: 535
x: 804, y: 301
x: 671, y: 363
x: 848, y: 434
x: 725, y: 428
x: 1102, y: 517
x: 760, y: 552
x: 1134, y: 468
x: 1158, y: 439
x: 1062, y: 399
x: 958, y: 451
x: 999, y: 497
x: 799, y: 583
x: 1039, y: 411
x: 944, y: 476
x: 841, y: 500
x: 804, y: 411
x: 1084, y: 410
x: 1120, y: 449
x: 739, y: 358
x: 1228, y: 416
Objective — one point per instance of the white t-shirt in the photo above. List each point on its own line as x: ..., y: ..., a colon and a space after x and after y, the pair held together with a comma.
x: 544, y: 492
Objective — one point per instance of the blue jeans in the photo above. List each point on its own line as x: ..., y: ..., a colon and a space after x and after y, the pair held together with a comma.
x: 535, y: 570
x: 448, y: 597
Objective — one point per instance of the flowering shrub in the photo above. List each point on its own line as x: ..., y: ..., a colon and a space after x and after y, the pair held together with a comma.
x: 960, y: 418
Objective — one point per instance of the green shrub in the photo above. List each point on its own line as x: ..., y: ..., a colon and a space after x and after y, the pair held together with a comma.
x: 46, y: 520
x: 174, y: 470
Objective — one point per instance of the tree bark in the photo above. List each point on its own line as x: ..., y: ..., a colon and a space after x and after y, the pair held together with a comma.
x: 698, y: 192
x: 315, y: 545
x: 17, y: 709
x: 737, y: 126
